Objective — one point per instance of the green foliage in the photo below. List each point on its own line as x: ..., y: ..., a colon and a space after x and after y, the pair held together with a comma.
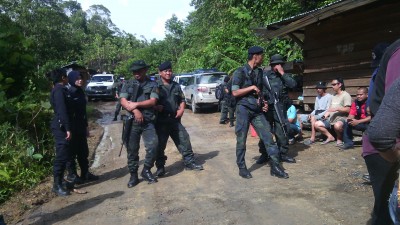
x: 21, y: 164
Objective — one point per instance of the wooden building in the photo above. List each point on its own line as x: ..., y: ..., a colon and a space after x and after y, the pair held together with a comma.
x: 338, y: 39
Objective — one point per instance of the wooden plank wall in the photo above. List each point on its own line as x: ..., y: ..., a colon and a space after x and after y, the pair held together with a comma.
x: 341, y: 46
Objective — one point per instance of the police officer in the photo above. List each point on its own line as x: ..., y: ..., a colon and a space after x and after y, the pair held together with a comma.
x: 279, y: 82
x: 170, y: 107
x: 79, y: 126
x: 139, y: 96
x: 61, y: 128
x: 118, y: 87
x: 226, y: 103
x: 247, y: 87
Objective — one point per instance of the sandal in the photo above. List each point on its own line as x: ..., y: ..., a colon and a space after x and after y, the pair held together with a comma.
x: 327, y: 141
x: 308, y: 142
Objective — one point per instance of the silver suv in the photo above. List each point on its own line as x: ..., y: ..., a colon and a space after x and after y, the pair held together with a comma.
x: 200, y: 89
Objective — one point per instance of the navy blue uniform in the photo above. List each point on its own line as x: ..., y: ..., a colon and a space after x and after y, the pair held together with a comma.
x: 60, y: 124
x: 79, y: 125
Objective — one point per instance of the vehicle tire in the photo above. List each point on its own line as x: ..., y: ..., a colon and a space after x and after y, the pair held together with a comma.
x: 194, y: 106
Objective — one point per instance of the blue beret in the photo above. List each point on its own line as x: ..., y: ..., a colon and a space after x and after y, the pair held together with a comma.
x: 256, y: 50
x: 165, y: 65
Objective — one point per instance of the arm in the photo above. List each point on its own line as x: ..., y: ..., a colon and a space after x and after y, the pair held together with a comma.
x: 384, y: 129
x: 245, y: 91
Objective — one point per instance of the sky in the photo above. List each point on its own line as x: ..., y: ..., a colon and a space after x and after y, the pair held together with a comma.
x: 143, y: 17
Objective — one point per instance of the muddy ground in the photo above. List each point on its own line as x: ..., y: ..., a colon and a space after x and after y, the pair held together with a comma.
x: 325, y: 185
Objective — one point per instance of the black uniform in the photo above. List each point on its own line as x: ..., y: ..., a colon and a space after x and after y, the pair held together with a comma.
x: 279, y: 85
x: 60, y: 124
x: 79, y: 126
x: 118, y: 106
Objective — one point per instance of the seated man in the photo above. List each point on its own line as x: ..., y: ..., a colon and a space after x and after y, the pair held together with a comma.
x: 336, y: 114
x: 358, y: 118
x: 322, y: 102
x: 294, y: 125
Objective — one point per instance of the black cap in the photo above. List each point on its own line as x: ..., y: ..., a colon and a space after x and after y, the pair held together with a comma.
x: 138, y: 65
x: 320, y: 85
x: 277, y: 59
x: 256, y: 50
x: 165, y: 65
x: 377, y: 53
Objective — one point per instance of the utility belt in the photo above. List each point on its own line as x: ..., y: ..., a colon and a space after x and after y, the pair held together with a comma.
x: 167, y: 115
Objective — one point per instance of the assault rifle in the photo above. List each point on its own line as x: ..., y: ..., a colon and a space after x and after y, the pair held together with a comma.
x: 127, y: 124
x: 278, y: 107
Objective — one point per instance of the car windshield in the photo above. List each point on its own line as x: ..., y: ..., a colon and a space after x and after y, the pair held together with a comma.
x: 183, y: 80
x: 211, y: 78
x: 101, y: 79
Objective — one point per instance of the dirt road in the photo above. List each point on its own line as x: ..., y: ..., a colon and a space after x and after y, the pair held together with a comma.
x: 325, y: 185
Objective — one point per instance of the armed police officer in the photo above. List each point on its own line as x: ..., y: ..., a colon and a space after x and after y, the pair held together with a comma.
x: 247, y: 88
x: 170, y: 107
x: 139, y: 96
x: 277, y: 87
x: 61, y: 128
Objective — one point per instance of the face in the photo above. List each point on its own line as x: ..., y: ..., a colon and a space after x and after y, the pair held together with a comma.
x: 166, y: 74
x: 336, y: 85
x: 259, y: 58
x: 79, y: 82
x: 361, y: 95
x: 320, y: 91
x: 140, y: 75
x: 64, y: 80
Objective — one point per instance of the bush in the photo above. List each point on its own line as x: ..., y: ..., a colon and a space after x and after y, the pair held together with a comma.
x: 21, y: 165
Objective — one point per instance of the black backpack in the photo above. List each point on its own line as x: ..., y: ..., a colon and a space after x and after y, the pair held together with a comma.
x: 220, y: 92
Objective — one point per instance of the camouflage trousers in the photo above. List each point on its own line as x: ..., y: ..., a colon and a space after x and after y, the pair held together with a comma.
x: 281, y: 140
x: 148, y: 132
x: 245, y: 117
x: 180, y: 137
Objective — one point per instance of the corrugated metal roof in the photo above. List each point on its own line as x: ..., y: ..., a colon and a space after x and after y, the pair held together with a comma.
x: 296, y: 23
x: 301, y: 15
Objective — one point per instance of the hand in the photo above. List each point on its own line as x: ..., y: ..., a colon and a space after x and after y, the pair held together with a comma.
x: 265, y: 107
x: 255, y: 88
x: 354, y: 122
x: 68, y: 137
x: 138, y: 116
x: 279, y: 69
x: 131, y: 106
x: 179, y: 114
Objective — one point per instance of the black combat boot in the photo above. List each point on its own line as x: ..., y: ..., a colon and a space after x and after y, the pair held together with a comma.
x: 286, y: 158
x: 88, y: 176
x: 74, y: 178
x: 160, y: 171
x: 147, y: 175
x: 134, y: 180
x: 263, y: 158
x: 58, y: 187
x: 243, y: 172
x: 193, y: 166
x: 278, y: 171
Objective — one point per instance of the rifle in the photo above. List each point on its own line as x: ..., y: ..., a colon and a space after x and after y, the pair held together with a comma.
x: 277, y: 106
x: 127, y: 124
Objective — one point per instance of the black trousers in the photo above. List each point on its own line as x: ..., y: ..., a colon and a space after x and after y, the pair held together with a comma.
x: 63, y: 154
x: 383, y: 175
x: 79, y: 152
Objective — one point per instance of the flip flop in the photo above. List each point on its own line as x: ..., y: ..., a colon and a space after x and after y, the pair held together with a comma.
x: 327, y: 142
x: 308, y: 142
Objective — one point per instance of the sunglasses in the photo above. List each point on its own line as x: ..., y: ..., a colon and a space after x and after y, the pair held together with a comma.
x: 334, y: 84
